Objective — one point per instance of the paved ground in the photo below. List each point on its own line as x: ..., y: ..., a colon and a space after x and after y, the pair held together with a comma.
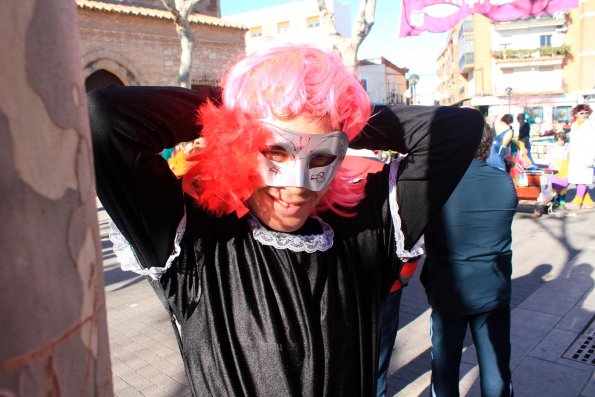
x: 553, y: 310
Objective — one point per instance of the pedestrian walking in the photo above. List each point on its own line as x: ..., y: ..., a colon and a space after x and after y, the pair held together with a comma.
x: 500, y: 148
x: 525, y: 138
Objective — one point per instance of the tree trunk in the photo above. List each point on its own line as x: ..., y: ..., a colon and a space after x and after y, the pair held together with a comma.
x: 54, y: 332
x: 348, y: 46
x: 186, y: 37
x: 180, y: 11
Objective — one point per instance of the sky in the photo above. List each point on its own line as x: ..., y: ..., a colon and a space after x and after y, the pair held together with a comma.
x: 418, y: 54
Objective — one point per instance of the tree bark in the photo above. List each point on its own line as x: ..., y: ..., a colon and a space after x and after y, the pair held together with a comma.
x: 54, y: 332
x: 186, y: 37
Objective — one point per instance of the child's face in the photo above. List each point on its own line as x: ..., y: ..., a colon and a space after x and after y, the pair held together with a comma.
x: 286, y: 208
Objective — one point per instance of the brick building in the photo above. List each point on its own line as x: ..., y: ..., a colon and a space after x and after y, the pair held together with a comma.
x: 132, y: 44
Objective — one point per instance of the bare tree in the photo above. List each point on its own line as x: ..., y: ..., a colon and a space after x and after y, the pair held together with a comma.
x: 54, y: 331
x: 348, y: 46
x: 181, y: 9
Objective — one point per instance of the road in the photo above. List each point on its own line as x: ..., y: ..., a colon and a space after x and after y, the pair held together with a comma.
x: 553, y: 308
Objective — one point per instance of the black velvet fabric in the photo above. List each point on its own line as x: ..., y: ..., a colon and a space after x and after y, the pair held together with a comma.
x: 256, y: 320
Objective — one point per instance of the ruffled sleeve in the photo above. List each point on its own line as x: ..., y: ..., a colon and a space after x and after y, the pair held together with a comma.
x: 128, y: 259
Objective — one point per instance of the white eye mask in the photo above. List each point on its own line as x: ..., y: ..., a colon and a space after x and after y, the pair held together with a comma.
x: 296, y: 159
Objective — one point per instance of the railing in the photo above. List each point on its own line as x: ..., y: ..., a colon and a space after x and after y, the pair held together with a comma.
x: 557, y: 16
x: 542, y: 52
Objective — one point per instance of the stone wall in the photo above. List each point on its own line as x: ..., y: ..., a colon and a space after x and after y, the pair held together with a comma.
x: 145, y: 50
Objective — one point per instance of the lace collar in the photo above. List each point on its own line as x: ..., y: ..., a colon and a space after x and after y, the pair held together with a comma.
x: 293, y: 242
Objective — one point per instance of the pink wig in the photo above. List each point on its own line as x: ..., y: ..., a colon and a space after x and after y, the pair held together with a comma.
x: 284, y: 83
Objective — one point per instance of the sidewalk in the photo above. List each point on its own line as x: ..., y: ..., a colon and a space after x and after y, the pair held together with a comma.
x: 553, y: 310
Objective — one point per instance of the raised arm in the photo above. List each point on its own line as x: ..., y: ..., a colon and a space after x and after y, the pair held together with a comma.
x: 130, y: 126
x: 440, y: 143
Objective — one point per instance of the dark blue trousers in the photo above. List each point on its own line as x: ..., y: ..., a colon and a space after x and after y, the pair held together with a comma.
x: 389, y: 326
x: 491, y: 337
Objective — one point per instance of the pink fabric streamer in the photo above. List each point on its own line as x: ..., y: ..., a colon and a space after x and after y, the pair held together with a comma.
x: 414, y: 20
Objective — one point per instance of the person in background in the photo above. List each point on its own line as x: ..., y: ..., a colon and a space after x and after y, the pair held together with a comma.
x: 271, y: 262
x: 558, y: 161
x: 582, y: 156
x: 467, y: 277
x: 500, y: 148
x: 525, y: 137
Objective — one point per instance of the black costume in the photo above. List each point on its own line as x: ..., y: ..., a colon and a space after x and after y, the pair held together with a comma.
x: 253, y: 319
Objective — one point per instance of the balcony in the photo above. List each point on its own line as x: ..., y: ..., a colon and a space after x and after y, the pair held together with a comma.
x: 556, y: 19
x: 466, y: 28
x: 542, y: 52
x: 466, y: 62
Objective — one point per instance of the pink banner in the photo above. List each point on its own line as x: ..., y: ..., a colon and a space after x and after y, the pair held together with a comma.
x: 418, y: 16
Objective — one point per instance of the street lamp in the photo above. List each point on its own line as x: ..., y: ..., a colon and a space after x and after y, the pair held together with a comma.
x: 509, y: 93
x: 413, y: 80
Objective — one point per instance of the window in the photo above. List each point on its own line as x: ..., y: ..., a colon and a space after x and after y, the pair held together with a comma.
x: 313, y: 22
x: 562, y: 113
x: 283, y: 27
x: 545, y: 40
x: 535, y: 115
x: 364, y: 83
x: 256, y: 31
x: 468, y: 45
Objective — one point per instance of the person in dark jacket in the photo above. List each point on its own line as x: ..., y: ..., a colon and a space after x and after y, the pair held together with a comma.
x: 467, y: 277
x: 525, y: 137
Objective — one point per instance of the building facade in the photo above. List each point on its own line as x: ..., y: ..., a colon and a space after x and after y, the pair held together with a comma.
x: 130, y: 43
x: 540, y: 66
x: 297, y: 21
x: 384, y: 82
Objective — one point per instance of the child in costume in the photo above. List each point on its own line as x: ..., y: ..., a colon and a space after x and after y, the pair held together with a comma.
x: 581, y: 156
x: 558, y: 160
x: 272, y: 264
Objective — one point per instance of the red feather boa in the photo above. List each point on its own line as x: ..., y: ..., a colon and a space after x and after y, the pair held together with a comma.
x: 223, y: 175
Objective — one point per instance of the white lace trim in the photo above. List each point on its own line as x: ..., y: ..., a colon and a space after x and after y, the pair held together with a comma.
x: 129, y: 261
x: 402, y: 253
x: 293, y: 242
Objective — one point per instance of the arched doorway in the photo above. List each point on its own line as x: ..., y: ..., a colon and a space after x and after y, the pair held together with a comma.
x: 101, y: 78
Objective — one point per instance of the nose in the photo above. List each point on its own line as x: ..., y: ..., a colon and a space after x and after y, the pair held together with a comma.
x: 299, y: 172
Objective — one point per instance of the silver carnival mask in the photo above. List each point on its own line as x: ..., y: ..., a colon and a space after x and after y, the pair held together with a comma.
x: 292, y: 158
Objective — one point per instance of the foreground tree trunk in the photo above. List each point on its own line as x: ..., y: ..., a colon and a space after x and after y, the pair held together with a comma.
x: 53, y: 337
x: 180, y: 10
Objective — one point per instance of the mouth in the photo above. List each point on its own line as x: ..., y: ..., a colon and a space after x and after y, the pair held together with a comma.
x: 287, y: 208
